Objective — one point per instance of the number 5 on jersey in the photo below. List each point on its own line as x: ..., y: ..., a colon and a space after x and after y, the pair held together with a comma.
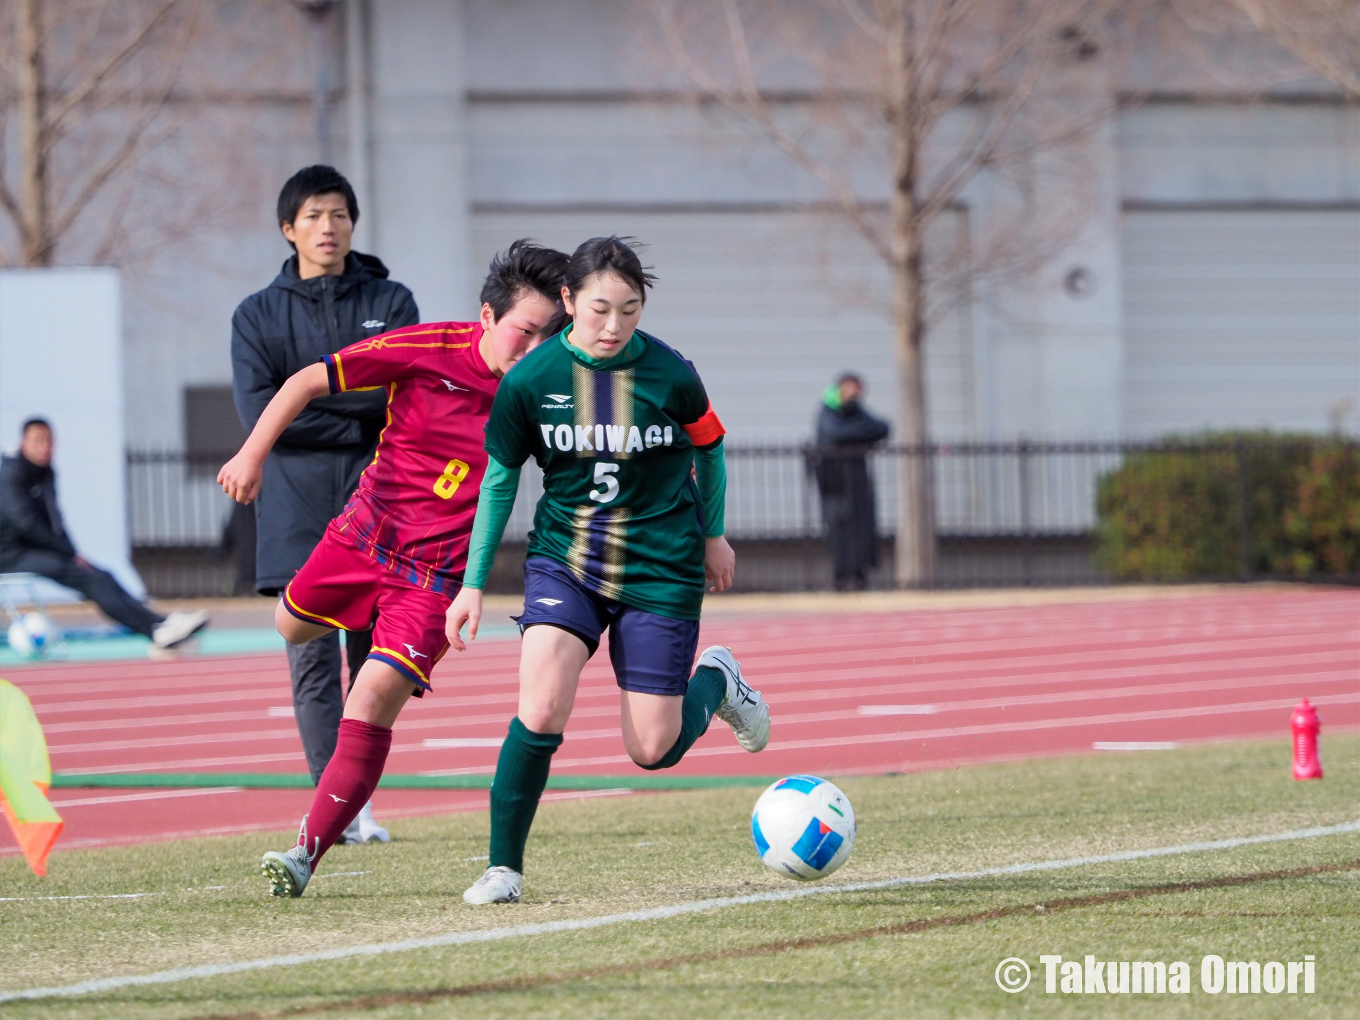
x: 454, y: 473
x: 604, y: 475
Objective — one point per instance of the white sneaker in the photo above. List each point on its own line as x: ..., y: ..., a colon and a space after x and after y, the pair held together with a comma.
x: 289, y: 872
x: 497, y: 885
x: 363, y: 829
x: 743, y: 708
x: 351, y: 836
x: 369, y: 830
x: 178, y: 627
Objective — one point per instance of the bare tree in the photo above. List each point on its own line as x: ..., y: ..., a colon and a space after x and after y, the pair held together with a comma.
x: 1322, y: 34
x: 933, y: 93
x: 85, y: 84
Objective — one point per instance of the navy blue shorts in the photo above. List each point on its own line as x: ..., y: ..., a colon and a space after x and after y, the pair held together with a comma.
x: 651, y: 654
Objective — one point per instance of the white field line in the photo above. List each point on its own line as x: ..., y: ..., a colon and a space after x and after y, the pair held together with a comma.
x: 124, y: 798
x: 458, y: 938
x: 88, y: 896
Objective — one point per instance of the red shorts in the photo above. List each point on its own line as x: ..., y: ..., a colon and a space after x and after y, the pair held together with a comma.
x: 344, y: 587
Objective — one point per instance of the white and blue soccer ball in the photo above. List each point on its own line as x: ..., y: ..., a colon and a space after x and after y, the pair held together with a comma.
x: 31, y: 636
x: 803, y: 828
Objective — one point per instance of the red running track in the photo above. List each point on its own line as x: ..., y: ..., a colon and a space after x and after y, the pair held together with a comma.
x: 849, y: 693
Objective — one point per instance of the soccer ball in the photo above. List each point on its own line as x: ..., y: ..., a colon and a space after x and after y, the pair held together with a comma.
x: 31, y: 635
x: 803, y: 828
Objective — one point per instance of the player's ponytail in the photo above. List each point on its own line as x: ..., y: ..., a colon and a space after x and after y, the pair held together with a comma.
x: 613, y: 254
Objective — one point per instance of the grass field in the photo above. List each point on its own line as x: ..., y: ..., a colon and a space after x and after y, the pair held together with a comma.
x: 921, y: 950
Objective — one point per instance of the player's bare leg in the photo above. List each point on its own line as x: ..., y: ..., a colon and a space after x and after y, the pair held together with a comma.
x: 651, y: 724
x: 658, y: 730
x: 294, y: 630
x: 551, y: 660
x: 361, y: 749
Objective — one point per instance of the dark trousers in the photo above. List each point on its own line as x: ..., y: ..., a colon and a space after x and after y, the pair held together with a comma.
x: 99, y: 586
x: 317, y: 698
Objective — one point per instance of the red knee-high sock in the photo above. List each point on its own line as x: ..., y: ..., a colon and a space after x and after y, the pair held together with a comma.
x: 348, y: 782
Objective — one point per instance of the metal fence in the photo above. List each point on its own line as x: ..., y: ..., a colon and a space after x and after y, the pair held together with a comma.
x: 1005, y: 513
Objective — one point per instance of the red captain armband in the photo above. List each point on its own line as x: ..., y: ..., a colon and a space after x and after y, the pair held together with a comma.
x: 706, y: 430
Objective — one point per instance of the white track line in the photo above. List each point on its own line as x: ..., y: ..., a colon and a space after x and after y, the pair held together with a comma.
x: 457, y: 938
x: 776, y: 694
x: 124, y: 798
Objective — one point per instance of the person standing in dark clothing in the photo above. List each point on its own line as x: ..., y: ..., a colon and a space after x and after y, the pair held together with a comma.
x: 845, y: 432
x: 325, y: 297
x: 33, y: 540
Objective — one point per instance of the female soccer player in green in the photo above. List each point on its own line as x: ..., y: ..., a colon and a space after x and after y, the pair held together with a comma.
x: 629, y: 527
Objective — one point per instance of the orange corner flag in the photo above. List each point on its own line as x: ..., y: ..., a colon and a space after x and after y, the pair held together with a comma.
x: 25, y: 775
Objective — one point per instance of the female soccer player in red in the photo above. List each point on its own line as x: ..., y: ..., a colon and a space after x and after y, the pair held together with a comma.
x: 394, y: 557
x: 629, y: 527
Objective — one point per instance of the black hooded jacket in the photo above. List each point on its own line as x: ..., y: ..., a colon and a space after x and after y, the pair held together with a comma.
x: 29, y: 518
x: 316, y: 463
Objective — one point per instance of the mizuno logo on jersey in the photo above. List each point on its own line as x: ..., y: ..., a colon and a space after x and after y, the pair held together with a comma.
x: 606, y: 438
x: 415, y: 654
x: 453, y: 387
x: 549, y: 602
x: 374, y: 324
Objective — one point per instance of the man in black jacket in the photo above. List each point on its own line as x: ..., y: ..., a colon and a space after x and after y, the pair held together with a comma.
x: 33, y: 540
x: 845, y: 431
x: 324, y: 298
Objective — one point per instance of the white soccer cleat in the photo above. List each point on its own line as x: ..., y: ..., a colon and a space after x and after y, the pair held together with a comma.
x: 497, y: 885
x: 177, y: 628
x: 289, y: 872
x: 369, y: 830
x: 743, y: 708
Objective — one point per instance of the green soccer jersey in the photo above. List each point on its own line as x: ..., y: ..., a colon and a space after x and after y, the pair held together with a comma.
x: 616, y: 441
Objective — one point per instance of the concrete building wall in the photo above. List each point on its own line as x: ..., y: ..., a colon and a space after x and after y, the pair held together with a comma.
x: 489, y: 120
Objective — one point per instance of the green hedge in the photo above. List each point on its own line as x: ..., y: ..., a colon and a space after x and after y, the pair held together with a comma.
x: 1180, y: 511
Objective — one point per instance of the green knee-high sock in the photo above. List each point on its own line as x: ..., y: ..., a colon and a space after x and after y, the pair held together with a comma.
x: 707, y: 688
x: 521, y: 774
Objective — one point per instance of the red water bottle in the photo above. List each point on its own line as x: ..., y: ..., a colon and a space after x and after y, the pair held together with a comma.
x: 1304, y: 723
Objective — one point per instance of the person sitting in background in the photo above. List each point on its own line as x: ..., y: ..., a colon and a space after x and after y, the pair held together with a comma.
x: 33, y: 540
x: 845, y: 431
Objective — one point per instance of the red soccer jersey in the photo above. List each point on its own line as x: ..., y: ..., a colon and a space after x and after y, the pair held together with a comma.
x: 415, y: 502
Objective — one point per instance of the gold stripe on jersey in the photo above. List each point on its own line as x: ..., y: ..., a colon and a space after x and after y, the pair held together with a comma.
x: 579, y: 549
x: 615, y: 552
x: 583, y: 397
x: 623, y: 409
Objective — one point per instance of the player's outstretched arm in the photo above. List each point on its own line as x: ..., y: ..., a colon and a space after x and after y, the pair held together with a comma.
x: 240, y: 476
